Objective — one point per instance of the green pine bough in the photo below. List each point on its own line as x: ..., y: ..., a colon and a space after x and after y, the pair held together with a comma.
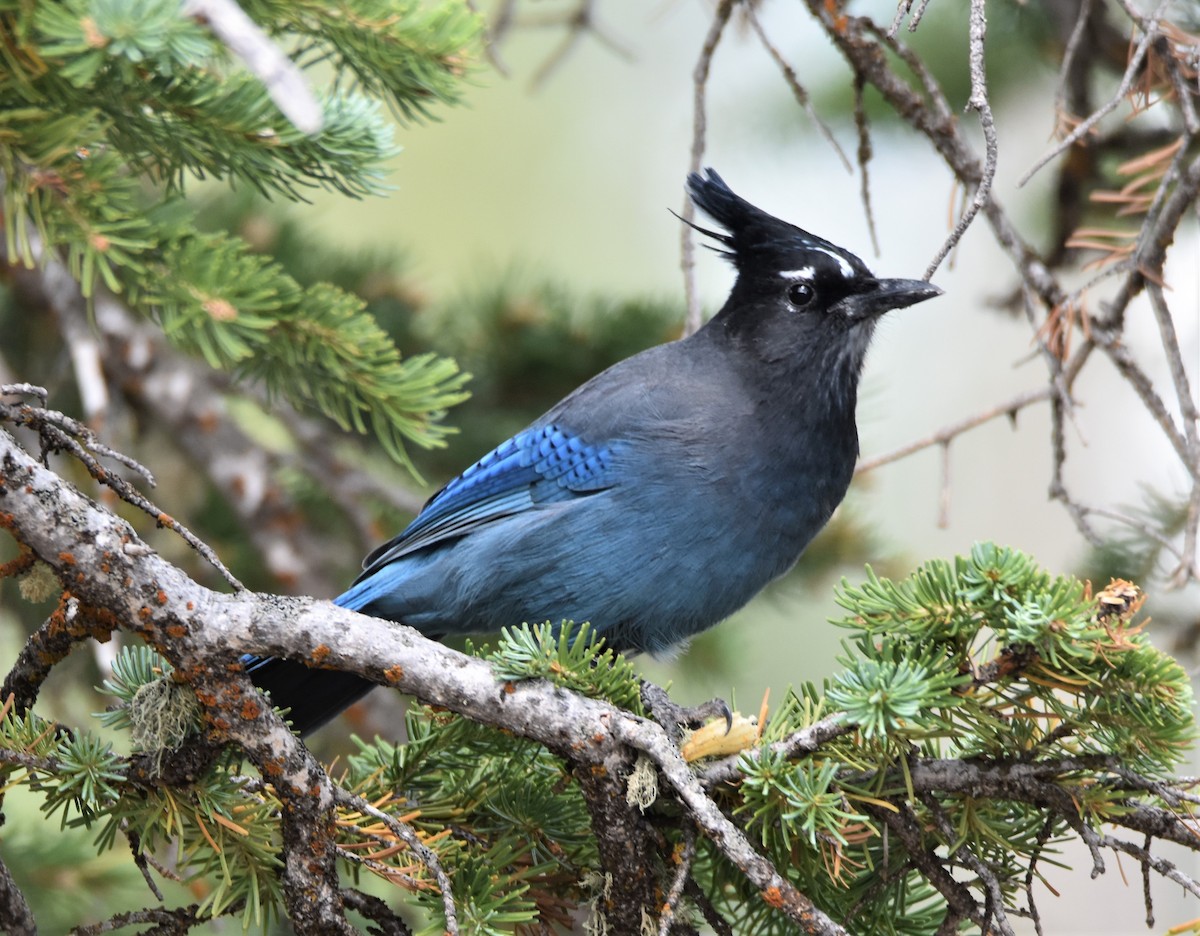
x: 109, y: 110
x: 958, y: 681
x: 971, y: 671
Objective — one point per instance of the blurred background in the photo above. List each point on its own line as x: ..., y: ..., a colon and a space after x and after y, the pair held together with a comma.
x: 528, y: 235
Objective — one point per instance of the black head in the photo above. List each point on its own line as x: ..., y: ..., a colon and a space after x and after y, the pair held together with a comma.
x: 797, y: 295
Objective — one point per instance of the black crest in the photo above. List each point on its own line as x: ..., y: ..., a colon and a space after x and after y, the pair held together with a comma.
x: 759, y: 240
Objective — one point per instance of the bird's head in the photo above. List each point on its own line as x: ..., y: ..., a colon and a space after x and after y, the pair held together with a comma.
x: 797, y: 295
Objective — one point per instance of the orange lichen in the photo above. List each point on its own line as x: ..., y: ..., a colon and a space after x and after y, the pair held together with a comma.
x: 840, y: 20
x: 773, y: 897
x: 23, y: 563
x: 393, y: 674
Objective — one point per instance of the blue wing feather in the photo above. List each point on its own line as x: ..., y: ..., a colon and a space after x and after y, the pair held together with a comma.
x: 540, y: 465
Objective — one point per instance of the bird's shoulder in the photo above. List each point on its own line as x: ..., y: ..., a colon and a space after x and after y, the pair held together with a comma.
x: 542, y: 463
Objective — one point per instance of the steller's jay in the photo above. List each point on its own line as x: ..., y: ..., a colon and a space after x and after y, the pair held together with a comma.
x: 664, y: 493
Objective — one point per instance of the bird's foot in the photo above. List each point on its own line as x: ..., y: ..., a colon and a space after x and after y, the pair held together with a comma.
x: 672, y: 716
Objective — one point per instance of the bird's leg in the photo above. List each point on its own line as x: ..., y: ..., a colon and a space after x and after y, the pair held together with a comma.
x: 671, y: 716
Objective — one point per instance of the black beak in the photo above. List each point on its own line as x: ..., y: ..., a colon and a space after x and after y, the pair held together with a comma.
x: 888, y: 294
x: 899, y: 293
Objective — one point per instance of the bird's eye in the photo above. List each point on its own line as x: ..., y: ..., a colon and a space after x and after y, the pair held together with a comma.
x: 800, y: 294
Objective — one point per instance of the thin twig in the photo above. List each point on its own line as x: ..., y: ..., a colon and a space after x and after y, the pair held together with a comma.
x: 1085, y: 127
x: 282, y: 78
x: 1141, y: 527
x: 719, y: 924
x: 863, y: 156
x: 422, y: 852
x: 797, y: 89
x: 166, y: 922
x: 1009, y: 408
x: 377, y: 911
x: 943, y: 518
x: 1189, y: 414
x: 720, y: 19
x: 987, y: 877
x: 1072, y: 49
x: 1159, y: 865
x: 803, y: 741
x: 919, y: 14
x: 902, y: 9
x: 909, y: 830
x: 580, y: 22
x: 683, y: 872
x: 1113, y: 345
x: 1043, y: 837
x: 980, y: 103
x: 60, y: 432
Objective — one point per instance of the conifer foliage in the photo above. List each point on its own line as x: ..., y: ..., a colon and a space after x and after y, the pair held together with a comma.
x: 111, y: 109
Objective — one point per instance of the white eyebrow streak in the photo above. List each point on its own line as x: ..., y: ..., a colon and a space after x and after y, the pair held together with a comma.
x: 805, y: 273
x: 847, y: 270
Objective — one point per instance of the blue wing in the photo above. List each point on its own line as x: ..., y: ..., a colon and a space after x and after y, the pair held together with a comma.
x: 537, y: 466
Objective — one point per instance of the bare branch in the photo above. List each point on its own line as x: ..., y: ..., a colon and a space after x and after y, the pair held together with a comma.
x: 994, y: 905
x: 797, y: 89
x: 1085, y: 127
x: 683, y: 872
x: 1078, y: 32
x: 805, y: 741
x: 1152, y: 862
x: 943, y: 436
x: 281, y: 77
x: 979, y: 102
x: 580, y: 22
x: 1183, y: 391
x: 61, y: 433
x: 377, y: 911
x: 48, y: 646
x: 408, y: 836
x: 15, y: 916
x: 863, y: 156
x: 699, y: 129
x: 651, y: 740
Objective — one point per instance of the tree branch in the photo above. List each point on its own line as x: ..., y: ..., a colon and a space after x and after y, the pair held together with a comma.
x: 16, y: 918
x: 203, y: 633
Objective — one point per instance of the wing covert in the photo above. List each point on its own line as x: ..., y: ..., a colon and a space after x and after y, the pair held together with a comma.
x: 543, y: 464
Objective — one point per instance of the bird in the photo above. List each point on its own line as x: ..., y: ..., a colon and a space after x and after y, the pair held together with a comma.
x: 665, y: 492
